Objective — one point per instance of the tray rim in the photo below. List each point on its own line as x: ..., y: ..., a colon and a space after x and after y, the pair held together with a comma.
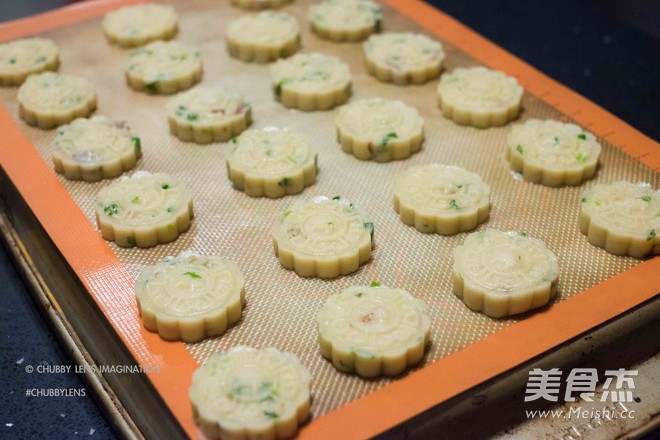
x: 375, y: 412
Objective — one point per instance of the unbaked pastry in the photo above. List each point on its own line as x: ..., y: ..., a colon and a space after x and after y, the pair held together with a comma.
x: 373, y: 330
x: 22, y: 58
x: 247, y: 393
x: 144, y: 210
x: 271, y: 162
x: 479, y: 96
x: 190, y: 297
x: 504, y: 273
x: 622, y: 217
x: 94, y: 149
x: 323, y: 237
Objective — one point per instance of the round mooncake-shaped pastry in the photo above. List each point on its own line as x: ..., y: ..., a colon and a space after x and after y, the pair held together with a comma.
x: 479, y: 97
x: 504, y: 273
x: 95, y: 149
x: 263, y: 37
x: 144, y: 210
x: 21, y: 58
x: 271, y: 163
x: 373, y: 330
x: 345, y: 20
x: 260, y: 4
x: 552, y: 153
x: 164, y: 67
x: 379, y: 129
x: 403, y: 58
x: 247, y: 394
x: 311, y: 81
x: 140, y: 24
x: 323, y: 237
x: 440, y: 198
x: 623, y: 218
x: 208, y: 114
x: 50, y: 99
x: 190, y: 297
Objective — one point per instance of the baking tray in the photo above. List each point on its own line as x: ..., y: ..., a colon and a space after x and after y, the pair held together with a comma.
x: 230, y: 223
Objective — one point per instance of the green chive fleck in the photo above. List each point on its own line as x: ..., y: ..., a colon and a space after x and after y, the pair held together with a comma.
x: 388, y: 137
x: 135, y: 199
x: 152, y: 87
x: 368, y: 225
x: 130, y: 240
x: 359, y: 294
x: 193, y: 275
x: 192, y: 117
x: 336, y: 198
x: 597, y: 202
x: 165, y: 186
x: 646, y: 198
x: 12, y: 60
x: 137, y: 143
x: 453, y: 204
x: 41, y: 60
x: 111, y: 209
x: 584, y: 200
x: 234, y: 140
x: 170, y: 209
x: 286, y: 213
x: 374, y: 284
x: 284, y: 182
x: 271, y: 414
x: 278, y: 86
x: 651, y: 235
x: 378, y: 25
x: 582, y: 136
x: 519, y: 149
x: 581, y: 158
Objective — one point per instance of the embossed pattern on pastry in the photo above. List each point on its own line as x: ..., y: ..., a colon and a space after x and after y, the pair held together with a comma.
x: 22, y: 58
x: 50, y: 99
x: 323, y: 237
x: 504, y: 273
x: 373, y: 330
x: 403, y: 58
x: 208, y: 114
x: 552, y: 153
x: 379, y: 129
x: 311, y: 81
x: 190, y: 297
x: 138, y: 25
x: 271, y: 163
x: 345, y: 20
x: 164, y: 67
x: 440, y: 198
x: 623, y: 218
x: 144, y: 210
x: 246, y: 393
x: 94, y: 149
x: 263, y: 37
x: 479, y: 97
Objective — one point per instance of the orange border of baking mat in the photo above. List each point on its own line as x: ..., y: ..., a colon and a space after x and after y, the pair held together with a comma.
x: 112, y: 287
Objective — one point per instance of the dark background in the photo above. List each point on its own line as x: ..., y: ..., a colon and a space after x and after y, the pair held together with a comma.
x: 607, y: 50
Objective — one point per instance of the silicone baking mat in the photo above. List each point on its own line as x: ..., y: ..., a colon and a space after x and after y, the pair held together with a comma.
x: 281, y: 307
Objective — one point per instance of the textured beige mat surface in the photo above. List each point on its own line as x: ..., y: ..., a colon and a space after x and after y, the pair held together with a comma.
x: 281, y: 307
